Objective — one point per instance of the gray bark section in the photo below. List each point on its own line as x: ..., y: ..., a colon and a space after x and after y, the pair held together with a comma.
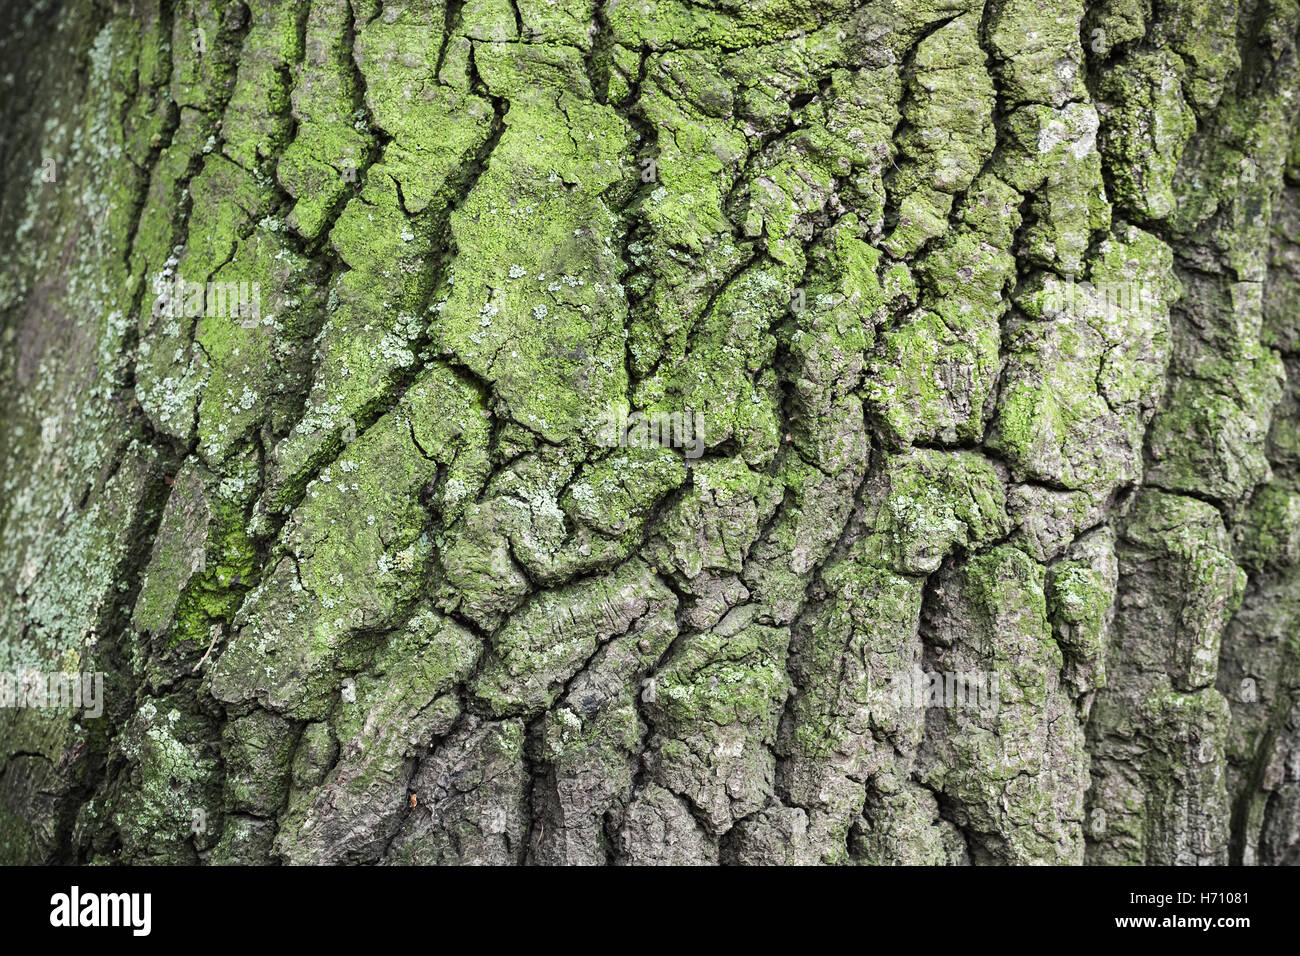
x: 988, y: 311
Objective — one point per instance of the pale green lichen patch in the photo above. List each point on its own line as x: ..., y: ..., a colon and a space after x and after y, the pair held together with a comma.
x: 374, y: 578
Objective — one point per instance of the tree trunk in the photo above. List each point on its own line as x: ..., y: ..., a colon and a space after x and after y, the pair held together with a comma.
x: 646, y: 431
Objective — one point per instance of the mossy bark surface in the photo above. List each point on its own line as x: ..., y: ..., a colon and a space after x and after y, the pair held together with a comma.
x: 973, y: 327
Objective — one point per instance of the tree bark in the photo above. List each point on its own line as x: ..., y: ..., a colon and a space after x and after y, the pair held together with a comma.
x: 646, y: 431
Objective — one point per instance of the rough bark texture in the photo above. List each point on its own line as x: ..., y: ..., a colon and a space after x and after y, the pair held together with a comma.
x: 366, y: 580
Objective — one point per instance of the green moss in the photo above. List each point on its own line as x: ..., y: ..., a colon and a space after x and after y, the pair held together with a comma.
x: 724, y: 679
x: 1269, y: 533
x: 1080, y: 597
x: 614, y: 495
x: 299, y: 618
x: 1189, y: 538
x: 928, y: 502
x: 948, y: 134
x: 549, y: 640
x: 1145, y: 130
x: 714, y: 523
